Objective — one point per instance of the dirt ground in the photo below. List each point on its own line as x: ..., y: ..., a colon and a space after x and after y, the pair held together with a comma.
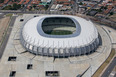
x: 3, y: 27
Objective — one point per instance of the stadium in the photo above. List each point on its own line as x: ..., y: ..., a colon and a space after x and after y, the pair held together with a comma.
x: 59, y: 36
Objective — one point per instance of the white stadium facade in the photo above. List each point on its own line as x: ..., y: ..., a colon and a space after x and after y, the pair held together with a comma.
x: 59, y: 36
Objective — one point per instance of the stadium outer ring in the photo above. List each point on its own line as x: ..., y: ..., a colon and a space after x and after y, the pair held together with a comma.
x: 58, y: 51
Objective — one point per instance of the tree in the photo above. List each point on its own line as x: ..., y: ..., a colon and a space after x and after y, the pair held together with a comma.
x: 22, y: 5
x: 80, y: 3
x: 105, y: 7
x: 102, y: 7
x: 30, y: 7
x: 13, y: 7
x: 100, y: 10
x: 9, y: 7
x: 1, y: 1
x: 16, y: 6
x: 34, y: 6
x: 46, y: 7
x: 111, y: 13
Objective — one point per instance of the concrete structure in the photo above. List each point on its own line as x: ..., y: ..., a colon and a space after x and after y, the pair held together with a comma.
x: 84, y: 65
x: 83, y: 40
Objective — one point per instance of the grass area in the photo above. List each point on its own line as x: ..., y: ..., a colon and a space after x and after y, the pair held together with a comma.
x: 102, y: 67
x: 8, y: 15
x: 59, y: 32
x: 20, y: 13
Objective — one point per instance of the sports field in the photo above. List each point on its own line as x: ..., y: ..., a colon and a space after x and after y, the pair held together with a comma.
x: 59, y: 32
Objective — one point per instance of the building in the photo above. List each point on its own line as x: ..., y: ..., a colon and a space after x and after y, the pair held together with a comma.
x: 59, y: 36
x: 47, y: 1
x: 62, y: 1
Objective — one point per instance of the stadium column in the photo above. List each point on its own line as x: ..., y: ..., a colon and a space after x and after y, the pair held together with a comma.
x: 69, y: 50
x: 85, y: 50
x: 42, y: 50
x: 37, y: 50
x: 52, y: 50
x: 89, y: 49
x: 74, y: 50
x: 47, y: 51
x: 79, y: 51
x: 58, y: 53
x: 28, y: 45
x: 63, y: 52
x: 33, y: 49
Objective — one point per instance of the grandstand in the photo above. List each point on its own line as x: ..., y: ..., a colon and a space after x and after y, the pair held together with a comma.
x: 58, y: 26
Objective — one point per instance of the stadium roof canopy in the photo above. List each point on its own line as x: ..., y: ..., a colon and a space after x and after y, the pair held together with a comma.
x: 85, y: 34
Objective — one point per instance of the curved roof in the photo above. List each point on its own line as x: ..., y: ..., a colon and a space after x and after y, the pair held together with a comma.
x: 41, y: 32
x: 33, y: 34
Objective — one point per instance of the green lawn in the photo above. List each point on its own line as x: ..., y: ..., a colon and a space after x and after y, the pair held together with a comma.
x: 9, y: 15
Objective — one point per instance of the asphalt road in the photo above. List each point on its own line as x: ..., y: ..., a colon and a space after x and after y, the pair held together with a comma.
x: 48, y: 10
x: 12, y: 21
x: 2, y: 48
x: 109, y: 68
x: 75, y: 6
x: 1, y: 15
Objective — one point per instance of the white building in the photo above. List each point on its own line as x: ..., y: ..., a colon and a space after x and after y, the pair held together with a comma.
x: 82, y: 38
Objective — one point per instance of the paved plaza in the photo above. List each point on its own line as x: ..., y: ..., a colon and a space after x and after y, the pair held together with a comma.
x: 67, y: 67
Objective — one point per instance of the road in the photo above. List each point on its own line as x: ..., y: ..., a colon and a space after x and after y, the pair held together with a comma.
x: 29, y: 12
x: 2, y: 48
x: 48, y: 10
x: 75, y: 6
x: 22, y: 12
x: 109, y: 68
x: 1, y: 15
